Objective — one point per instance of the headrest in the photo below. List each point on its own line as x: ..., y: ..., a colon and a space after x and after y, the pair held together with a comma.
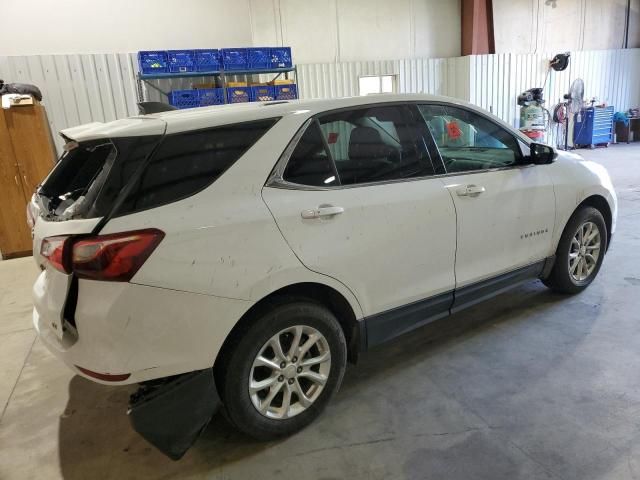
x: 366, y: 142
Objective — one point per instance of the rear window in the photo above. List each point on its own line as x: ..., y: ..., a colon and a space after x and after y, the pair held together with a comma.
x: 185, y: 163
x: 74, y: 174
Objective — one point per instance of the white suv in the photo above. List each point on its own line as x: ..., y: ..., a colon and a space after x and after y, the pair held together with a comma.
x: 239, y: 255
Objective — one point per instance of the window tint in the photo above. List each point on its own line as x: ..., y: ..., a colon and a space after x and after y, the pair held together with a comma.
x: 364, y: 145
x: 467, y: 141
x: 132, y: 152
x: 376, y: 144
x: 185, y: 163
x: 309, y: 163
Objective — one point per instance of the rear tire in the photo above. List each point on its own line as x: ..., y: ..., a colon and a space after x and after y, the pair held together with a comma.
x: 298, y: 384
x: 580, y: 252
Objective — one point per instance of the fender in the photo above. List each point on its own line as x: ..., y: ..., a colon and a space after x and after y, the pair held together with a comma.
x: 575, y: 180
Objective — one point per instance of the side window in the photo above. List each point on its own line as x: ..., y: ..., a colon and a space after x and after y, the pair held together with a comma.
x: 468, y: 141
x: 310, y: 163
x: 186, y: 163
x: 376, y: 144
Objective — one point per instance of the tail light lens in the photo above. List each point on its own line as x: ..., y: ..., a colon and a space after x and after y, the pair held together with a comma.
x: 56, y: 251
x: 115, y: 257
x: 32, y: 213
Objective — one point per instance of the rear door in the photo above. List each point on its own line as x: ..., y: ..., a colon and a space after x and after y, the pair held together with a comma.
x: 357, y: 200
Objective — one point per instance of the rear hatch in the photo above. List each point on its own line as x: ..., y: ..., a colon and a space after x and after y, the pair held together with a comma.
x: 75, y: 199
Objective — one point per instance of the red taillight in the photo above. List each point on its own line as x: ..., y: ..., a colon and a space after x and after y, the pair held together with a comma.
x: 107, y: 377
x: 32, y: 214
x: 115, y: 257
x: 56, y: 251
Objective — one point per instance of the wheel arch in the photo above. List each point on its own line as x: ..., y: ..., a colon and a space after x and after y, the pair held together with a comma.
x: 309, y: 291
x: 599, y: 203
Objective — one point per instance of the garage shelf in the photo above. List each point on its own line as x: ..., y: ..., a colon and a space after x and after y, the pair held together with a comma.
x: 147, y: 78
x: 156, y: 76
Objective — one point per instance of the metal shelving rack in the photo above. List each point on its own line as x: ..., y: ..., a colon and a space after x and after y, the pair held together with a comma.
x: 222, y: 74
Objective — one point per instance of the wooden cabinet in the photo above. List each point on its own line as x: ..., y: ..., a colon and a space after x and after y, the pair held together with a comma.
x: 26, y: 157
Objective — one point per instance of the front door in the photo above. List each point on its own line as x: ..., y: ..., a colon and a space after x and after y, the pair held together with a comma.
x: 357, y: 201
x: 505, y: 208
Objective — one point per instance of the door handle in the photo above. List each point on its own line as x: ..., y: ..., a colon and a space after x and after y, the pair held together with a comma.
x: 470, y: 191
x: 321, y: 211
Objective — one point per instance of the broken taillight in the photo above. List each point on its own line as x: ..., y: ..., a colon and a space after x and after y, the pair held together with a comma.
x: 113, y: 257
x: 32, y: 213
x: 56, y: 251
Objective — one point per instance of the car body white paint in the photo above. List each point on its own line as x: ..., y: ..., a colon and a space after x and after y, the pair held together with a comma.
x: 223, y: 250
x: 493, y: 228
x: 366, y: 246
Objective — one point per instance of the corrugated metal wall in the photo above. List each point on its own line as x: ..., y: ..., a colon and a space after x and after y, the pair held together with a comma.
x: 435, y: 76
x: 611, y: 76
x: 87, y: 88
x: 78, y: 89
x: 332, y: 80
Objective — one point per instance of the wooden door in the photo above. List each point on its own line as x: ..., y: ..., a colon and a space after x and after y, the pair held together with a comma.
x: 15, y: 235
x: 32, y: 144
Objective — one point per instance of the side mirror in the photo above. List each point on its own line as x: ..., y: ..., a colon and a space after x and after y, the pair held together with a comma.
x: 541, y: 154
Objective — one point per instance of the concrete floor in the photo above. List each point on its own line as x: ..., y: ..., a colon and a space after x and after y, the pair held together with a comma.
x: 531, y: 385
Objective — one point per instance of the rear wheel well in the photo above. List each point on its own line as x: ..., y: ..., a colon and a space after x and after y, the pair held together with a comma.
x: 600, y: 203
x: 313, y: 292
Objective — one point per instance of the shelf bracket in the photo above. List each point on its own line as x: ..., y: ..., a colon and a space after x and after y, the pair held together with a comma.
x: 158, y: 89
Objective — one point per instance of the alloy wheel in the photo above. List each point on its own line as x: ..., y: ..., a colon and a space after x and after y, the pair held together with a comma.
x: 289, y: 372
x: 584, y: 251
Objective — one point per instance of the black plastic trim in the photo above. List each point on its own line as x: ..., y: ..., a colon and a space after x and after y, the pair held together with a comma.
x: 391, y: 323
x: 485, y: 289
x: 547, y: 267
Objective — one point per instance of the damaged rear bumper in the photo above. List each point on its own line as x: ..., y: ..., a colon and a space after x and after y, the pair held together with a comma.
x: 171, y: 413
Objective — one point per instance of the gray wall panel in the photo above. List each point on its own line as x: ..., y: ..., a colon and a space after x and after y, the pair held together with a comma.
x: 98, y: 88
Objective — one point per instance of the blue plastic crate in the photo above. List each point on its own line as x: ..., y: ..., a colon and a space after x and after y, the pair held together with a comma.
x: 238, y: 94
x: 259, y: 58
x: 208, y: 60
x: 181, y: 61
x: 184, y: 98
x: 152, y: 62
x: 210, y: 96
x: 234, y: 58
x: 262, y: 93
x: 281, y: 57
x: 286, y: 91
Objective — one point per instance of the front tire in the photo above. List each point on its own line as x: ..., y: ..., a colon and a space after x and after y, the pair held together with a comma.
x: 284, y: 370
x: 580, y: 252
